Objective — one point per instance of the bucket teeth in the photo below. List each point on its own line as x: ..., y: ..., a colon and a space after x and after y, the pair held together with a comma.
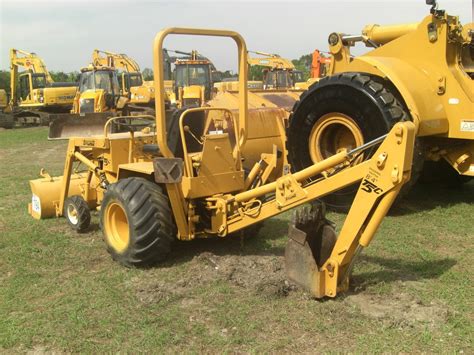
x: 309, y: 218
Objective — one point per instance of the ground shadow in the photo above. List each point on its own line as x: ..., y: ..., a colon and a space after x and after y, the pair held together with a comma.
x: 266, y: 242
x: 428, y: 196
x: 399, y: 270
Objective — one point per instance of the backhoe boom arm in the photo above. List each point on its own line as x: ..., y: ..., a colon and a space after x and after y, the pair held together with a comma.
x: 381, y: 176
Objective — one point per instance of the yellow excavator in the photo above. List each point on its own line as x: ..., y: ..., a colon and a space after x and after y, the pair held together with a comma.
x: 282, y: 85
x: 130, y: 77
x: 281, y: 72
x: 212, y: 172
x: 34, y: 94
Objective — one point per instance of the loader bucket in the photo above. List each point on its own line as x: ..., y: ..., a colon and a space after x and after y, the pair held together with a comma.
x: 67, y: 125
x: 311, y: 241
x: 45, y: 194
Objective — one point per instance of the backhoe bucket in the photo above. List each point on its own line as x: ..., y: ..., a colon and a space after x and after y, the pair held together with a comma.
x: 67, y: 125
x: 311, y: 241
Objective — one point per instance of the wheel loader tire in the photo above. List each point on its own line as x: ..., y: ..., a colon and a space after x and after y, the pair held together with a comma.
x: 341, y: 111
x: 137, y: 222
x: 77, y: 213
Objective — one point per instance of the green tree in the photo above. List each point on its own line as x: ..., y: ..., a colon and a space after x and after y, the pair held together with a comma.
x: 5, y: 80
x: 304, y: 64
x: 147, y: 74
x: 60, y: 76
x: 256, y: 72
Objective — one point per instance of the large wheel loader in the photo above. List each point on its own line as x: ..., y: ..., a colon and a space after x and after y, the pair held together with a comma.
x: 421, y: 72
x: 208, y: 172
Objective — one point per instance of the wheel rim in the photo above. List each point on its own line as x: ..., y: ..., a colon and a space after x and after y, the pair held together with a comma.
x: 332, y: 133
x: 117, y: 230
x: 72, y: 214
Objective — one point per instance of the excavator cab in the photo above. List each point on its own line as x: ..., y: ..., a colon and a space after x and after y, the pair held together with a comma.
x: 282, y: 78
x: 277, y: 79
x: 297, y: 76
x: 128, y: 80
x: 28, y: 82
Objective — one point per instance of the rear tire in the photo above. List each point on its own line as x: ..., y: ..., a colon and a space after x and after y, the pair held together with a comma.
x: 77, y: 213
x: 137, y: 222
x: 341, y: 111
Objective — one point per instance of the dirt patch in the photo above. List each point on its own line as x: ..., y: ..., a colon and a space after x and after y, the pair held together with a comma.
x: 400, y: 309
x: 259, y: 274
x: 40, y: 350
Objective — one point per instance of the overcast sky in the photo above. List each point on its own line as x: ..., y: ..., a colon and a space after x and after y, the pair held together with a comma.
x: 64, y: 33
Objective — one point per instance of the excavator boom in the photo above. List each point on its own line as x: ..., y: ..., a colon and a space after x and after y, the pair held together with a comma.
x: 118, y: 61
x: 272, y: 61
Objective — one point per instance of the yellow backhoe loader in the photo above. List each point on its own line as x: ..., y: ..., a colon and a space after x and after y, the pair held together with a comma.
x: 188, y: 180
x: 98, y: 98
x: 102, y: 95
x: 99, y: 91
x: 34, y: 94
x: 212, y: 172
x: 140, y: 92
x: 194, y: 77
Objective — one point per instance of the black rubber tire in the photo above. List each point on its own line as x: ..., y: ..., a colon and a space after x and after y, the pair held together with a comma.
x: 366, y: 99
x: 82, y: 219
x: 151, y: 226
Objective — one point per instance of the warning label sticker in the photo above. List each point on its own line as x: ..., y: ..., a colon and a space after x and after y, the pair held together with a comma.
x: 467, y: 125
x: 35, y: 204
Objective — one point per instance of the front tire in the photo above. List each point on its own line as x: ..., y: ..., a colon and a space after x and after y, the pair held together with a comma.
x: 340, y: 112
x: 77, y: 213
x: 137, y: 222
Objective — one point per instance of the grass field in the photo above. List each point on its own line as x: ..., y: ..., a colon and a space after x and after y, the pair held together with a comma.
x: 412, y: 289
